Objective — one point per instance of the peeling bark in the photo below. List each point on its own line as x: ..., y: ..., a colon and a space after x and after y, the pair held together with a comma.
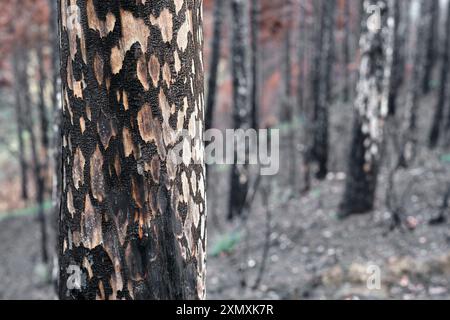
x: 132, y: 219
x: 370, y: 111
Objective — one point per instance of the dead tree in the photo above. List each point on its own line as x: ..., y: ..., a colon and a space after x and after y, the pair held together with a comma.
x: 431, y: 41
x: 414, y: 92
x: 370, y: 109
x: 322, y: 86
x: 347, y: 51
x: 241, y: 113
x: 439, y: 112
x: 133, y: 211
x: 254, y: 90
x: 397, y: 63
x: 286, y: 62
x: 214, y: 63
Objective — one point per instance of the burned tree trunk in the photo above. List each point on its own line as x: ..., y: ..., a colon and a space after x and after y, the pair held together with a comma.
x: 286, y: 106
x: 397, y: 64
x: 408, y: 151
x: 42, y: 109
x: 442, y: 98
x: 132, y: 220
x: 254, y: 91
x: 241, y: 113
x: 371, y: 109
x: 322, y: 87
x: 214, y: 63
x: 431, y: 39
x: 347, y: 52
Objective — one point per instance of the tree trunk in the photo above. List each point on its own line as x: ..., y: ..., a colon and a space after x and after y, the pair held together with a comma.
x: 241, y: 113
x: 408, y: 151
x: 254, y: 91
x: 370, y: 110
x: 286, y: 107
x: 431, y: 40
x: 42, y: 109
x: 55, y: 162
x: 397, y: 69
x: 132, y: 220
x: 347, y: 54
x: 214, y: 63
x: 323, y: 88
x: 38, y: 174
x: 443, y: 96
x: 19, y: 108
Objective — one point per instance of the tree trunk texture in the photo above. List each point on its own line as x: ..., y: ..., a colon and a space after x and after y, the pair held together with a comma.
x: 370, y: 111
x: 241, y: 113
x: 431, y: 40
x: 439, y: 113
x: 214, y: 63
x: 322, y: 88
x: 19, y: 108
x: 132, y: 218
x: 408, y: 151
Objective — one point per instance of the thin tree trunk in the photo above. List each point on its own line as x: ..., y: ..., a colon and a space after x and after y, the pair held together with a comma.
x: 408, y: 151
x: 286, y: 107
x: 254, y: 90
x: 397, y: 70
x: 241, y: 113
x: 431, y: 40
x: 56, y: 139
x: 19, y: 108
x: 323, y: 88
x: 42, y: 109
x: 443, y: 96
x: 347, y: 54
x: 214, y: 63
x: 370, y: 110
x: 133, y: 214
x: 39, y: 181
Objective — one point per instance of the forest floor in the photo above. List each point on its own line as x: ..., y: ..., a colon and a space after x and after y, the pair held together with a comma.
x: 311, y: 253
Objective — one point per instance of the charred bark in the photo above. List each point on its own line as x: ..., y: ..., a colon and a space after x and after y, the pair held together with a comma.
x: 254, y: 90
x: 132, y: 220
x: 370, y: 109
x: 322, y: 87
